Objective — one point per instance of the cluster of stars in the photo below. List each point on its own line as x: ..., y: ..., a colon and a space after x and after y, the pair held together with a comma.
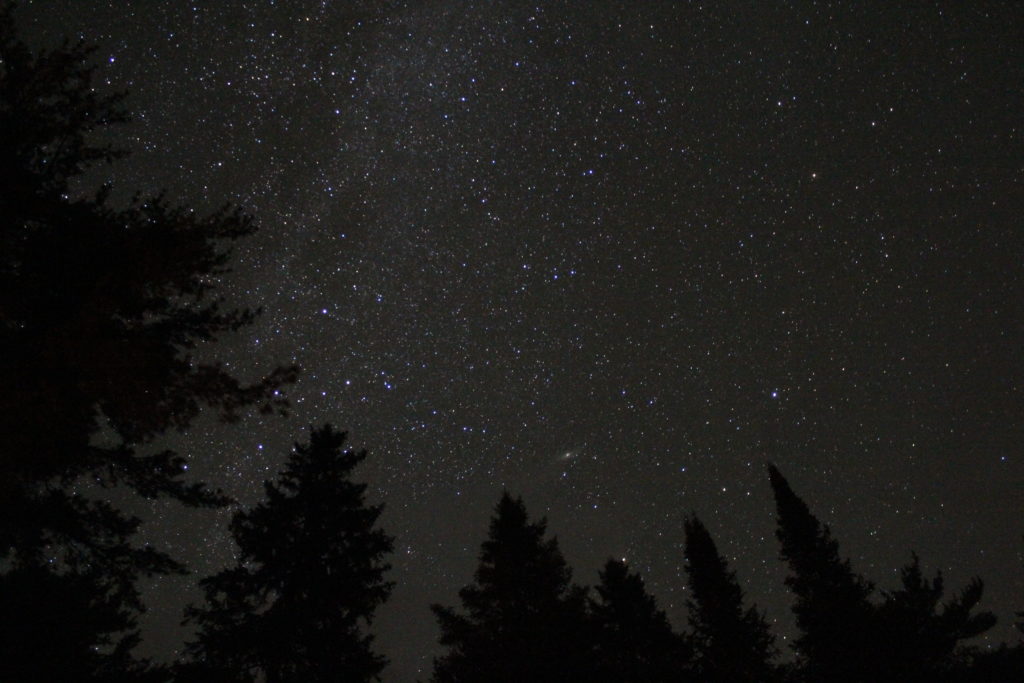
x: 690, y: 240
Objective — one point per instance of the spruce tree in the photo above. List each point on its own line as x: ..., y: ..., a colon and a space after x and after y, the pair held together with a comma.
x: 839, y: 633
x: 309, y: 577
x: 922, y: 635
x: 732, y: 644
x: 101, y: 308
x: 522, y: 618
x: 77, y: 632
x: 634, y: 640
x: 71, y: 602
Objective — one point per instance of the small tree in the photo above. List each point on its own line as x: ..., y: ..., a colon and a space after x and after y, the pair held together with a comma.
x: 523, y: 619
x: 732, y: 644
x: 309, y: 577
x: 634, y: 639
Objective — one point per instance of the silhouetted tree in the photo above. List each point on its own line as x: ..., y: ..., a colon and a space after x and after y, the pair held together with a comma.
x: 76, y: 633
x: 65, y: 543
x: 731, y: 644
x: 920, y: 635
x: 839, y: 636
x: 309, y: 577
x: 100, y: 309
x: 633, y: 638
x: 523, y: 619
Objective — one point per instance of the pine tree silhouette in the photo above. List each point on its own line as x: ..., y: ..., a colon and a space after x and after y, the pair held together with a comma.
x: 77, y: 632
x: 920, y: 636
x: 309, y: 578
x: 523, y: 619
x: 731, y: 644
x: 100, y: 308
x: 839, y: 633
x: 633, y: 638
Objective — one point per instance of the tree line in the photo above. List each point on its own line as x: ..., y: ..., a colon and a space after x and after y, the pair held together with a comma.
x: 311, y: 572
x: 101, y: 309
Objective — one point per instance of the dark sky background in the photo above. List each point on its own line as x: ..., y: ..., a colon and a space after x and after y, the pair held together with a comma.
x: 613, y: 256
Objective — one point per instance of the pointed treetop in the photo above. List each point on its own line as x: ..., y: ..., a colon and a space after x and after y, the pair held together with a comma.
x: 521, y: 618
x: 310, y: 576
x: 731, y: 642
x: 624, y: 600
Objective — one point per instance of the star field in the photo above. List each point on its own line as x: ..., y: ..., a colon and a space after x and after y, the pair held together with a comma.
x: 611, y: 256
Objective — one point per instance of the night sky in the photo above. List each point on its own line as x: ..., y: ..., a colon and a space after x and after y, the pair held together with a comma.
x: 612, y: 256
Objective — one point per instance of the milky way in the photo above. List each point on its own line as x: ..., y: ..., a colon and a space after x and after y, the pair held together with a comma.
x: 675, y: 240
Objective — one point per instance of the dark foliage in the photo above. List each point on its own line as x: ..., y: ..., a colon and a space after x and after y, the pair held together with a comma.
x: 522, y: 618
x: 309, y: 577
x: 839, y: 636
x: 100, y: 311
x: 67, y: 627
x: 920, y: 635
x: 910, y: 636
x: 731, y: 644
x: 633, y: 638
x: 69, y: 594
x: 1003, y: 663
x: 100, y: 308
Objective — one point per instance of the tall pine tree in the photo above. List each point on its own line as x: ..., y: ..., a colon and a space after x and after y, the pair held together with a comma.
x: 633, y: 638
x: 309, y: 577
x: 732, y: 644
x: 839, y: 635
x: 523, y: 619
x: 100, y: 309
